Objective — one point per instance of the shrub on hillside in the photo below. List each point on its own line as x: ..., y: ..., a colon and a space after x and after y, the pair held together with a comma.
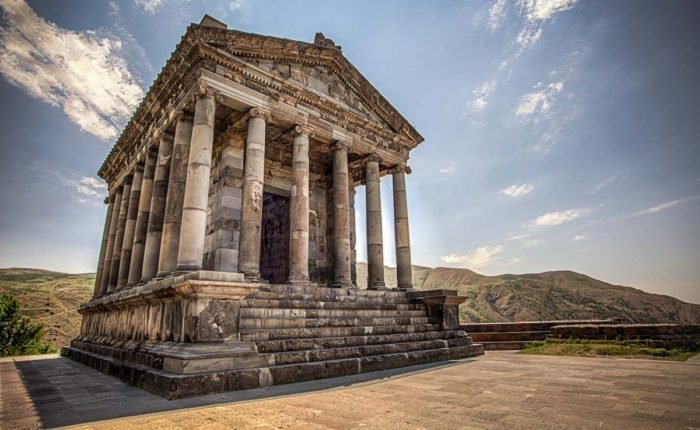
x: 18, y: 334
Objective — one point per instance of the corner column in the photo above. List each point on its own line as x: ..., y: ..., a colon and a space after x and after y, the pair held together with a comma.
x: 194, y: 210
x: 119, y: 235
x: 155, y: 217
x: 299, y: 209
x: 375, y: 248
x: 114, y: 219
x: 103, y: 248
x: 137, y: 250
x: 342, y: 270
x: 404, y: 275
x: 130, y: 226
x: 251, y: 206
x: 170, y: 241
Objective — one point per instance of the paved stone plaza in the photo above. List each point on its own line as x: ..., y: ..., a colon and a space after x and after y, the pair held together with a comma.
x: 499, y: 390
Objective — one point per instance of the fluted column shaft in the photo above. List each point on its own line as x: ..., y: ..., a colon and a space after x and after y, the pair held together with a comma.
x: 170, y: 240
x: 404, y: 273
x: 130, y: 226
x: 119, y: 236
x: 251, y: 206
x: 114, y: 220
x: 194, y: 210
x: 144, y: 210
x: 299, y: 209
x: 375, y: 249
x: 342, y: 269
x: 103, y: 247
x: 157, y: 210
x: 353, y: 233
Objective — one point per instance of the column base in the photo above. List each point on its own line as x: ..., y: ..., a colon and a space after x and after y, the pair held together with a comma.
x: 181, y: 269
x: 298, y: 280
x: 377, y: 286
x: 406, y: 287
x: 251, y: 276
x: 342, y: 283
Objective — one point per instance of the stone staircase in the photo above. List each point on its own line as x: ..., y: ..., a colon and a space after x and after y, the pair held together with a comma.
x: 311, y: 333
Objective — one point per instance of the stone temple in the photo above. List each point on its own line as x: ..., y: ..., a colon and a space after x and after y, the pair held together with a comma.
x: 228, y: 253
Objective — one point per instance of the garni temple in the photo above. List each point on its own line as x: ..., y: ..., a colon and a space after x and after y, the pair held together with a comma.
x: 228, y: 253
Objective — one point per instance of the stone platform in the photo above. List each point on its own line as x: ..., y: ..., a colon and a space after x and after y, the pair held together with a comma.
x: 208, y: 332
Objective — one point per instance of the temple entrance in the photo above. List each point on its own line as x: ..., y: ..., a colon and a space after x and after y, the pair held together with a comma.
x: 274, y: 252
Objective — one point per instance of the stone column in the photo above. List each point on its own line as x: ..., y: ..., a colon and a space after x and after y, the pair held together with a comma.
x: 375, y: 249
x: 299, y: 209
x: 342, y: 271
x: 114, y: 219
x: 194, y: 210
x: 353, y: 233
x: 103, y: 248
x: 404, y: 274
x: 137, y: 250
x: 155, y: 217
x: 130, y: 226
x: 119, y: 236
x: 251, y: 206
x: 170, y: 241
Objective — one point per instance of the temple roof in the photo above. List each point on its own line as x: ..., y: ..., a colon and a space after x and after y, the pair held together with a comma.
x: 211, y: 38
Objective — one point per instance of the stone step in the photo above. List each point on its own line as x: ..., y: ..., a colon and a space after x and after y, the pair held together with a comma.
x: 509, y: 336
x: 275, y: 323
x: 339, y: 342
x: 248, y: 335
x: 307, y: 356
x: 284, y: 374
x: 316, y: 304
x: 330, y: 313
x: 324, y: 297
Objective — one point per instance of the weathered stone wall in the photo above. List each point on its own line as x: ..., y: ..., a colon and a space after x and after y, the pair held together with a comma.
x: 320, y: 235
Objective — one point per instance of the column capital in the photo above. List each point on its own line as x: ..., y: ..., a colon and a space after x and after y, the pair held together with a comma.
x: 203, y: 90
x: 371, y: 158
x: 400, y: 168
x: 257, y: 112
x: 341, y: 145
x: 181, y: 115
x: 303, y: 130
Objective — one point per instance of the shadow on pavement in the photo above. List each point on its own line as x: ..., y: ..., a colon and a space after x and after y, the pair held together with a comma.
x: 67, y: 393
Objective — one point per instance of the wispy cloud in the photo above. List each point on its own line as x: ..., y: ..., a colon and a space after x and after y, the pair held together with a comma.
x: 551, y: 219
x: 520, y: 236
x: 497, y: 14
x: 535, y: 13
x: 513, y: 261
x: 481, y: 257
x: 149, y: 6
x: 447, y: 170
x: 235, y: 5
x: 539, y: 101
x: 580, y: 237
x: 481, y: 95
x: 517, y: 190
x: 83, y: 73
x: 661, y: 207
x: 604, y: 184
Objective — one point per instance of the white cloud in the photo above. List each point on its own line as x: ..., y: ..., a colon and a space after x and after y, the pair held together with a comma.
x: 512, y: 261
x: 539, y: 101
x: 520, y: 236
x: 517, y: 190
x: 236, y: 5
x: 81, y: 72
x: 551, y: 219
x: 531, y: 243
x: 544, y: 10
x: 535, y: 13
x: 480, y: 257
x: 448, y: 170
x: 85, y: 190
x: 149, y: 6
x: 497, y: 13
x: 602, y: 185
x: 481, y: 94
x: 660, y: 207
x: 580, y: 237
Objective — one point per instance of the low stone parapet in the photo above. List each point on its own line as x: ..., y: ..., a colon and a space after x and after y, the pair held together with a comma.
x: 661, y: 335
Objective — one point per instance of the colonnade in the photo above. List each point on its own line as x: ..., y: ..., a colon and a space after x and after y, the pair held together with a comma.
x: 156, y: 219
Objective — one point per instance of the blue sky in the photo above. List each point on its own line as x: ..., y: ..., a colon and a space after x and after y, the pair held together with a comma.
x: 559, y: 134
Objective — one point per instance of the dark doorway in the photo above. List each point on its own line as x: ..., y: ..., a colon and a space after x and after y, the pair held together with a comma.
x: 274, y: 254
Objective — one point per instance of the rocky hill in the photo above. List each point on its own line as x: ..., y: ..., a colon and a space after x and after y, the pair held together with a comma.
x: 546, y: 296
x: 50, y: 297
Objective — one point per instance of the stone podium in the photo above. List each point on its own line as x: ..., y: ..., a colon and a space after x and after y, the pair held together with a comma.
x: 227, y: 257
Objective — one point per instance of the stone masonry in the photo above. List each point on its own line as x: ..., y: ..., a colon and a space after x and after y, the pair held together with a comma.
x: 228, y: 253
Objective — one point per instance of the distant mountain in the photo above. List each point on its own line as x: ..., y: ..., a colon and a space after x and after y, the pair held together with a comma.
x: 545, y: 296
x: 50, y: 297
